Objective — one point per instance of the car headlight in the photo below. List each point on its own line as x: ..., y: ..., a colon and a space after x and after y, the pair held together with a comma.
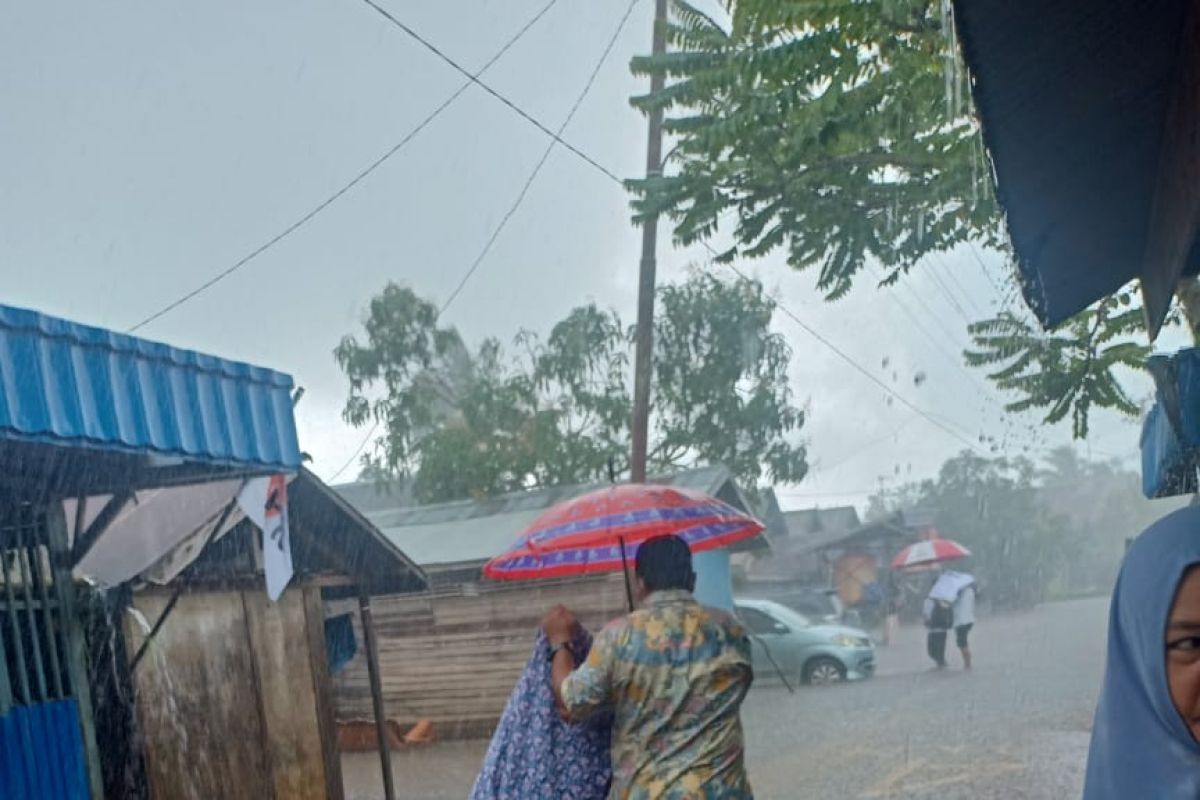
x: 846, y: 640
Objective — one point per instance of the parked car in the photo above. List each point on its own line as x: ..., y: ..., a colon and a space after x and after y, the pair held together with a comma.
x: 816, y: 653
x: 819, y: 605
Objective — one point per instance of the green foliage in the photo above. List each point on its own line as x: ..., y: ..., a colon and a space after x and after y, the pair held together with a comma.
x: 830, y: 128
x: 722, y: 393
x: 1068, y: 371
x: 1034, y: 531
x: 462, y: 424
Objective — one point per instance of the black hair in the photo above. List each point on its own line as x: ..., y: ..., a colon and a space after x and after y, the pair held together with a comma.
x: 665, y: 562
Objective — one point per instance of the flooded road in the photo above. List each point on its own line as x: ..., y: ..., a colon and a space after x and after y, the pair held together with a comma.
x: 1015, y: 728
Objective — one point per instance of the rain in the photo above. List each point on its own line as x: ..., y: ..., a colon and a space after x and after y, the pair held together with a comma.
x: 361, y: 364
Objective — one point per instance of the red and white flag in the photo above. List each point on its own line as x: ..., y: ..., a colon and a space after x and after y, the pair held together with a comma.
x: 264, y: 502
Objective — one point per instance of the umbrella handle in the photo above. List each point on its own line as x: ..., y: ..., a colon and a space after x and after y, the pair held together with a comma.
x: 625, y: 574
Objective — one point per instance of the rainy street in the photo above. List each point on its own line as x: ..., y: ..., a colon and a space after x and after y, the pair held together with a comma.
x: 1016, y: 727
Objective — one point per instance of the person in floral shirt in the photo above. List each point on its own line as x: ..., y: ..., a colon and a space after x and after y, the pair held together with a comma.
x: 674, y: 674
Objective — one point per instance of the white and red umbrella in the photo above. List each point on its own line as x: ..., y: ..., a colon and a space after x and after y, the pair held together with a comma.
x: 929, y: 551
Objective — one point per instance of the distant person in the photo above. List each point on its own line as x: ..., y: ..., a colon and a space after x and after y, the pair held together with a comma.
x: 895, y: 604
x: 1147, y: 726
x: 963, y: 587
x: 939, y: 619
x: 674, y: 673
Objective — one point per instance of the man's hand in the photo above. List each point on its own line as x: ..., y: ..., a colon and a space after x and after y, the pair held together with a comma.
x: 560, y: 625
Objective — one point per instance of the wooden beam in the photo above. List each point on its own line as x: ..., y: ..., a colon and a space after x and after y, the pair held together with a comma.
x: 1175, y: 209
x: 314, y: 613
x: 372, y: 647
x: 85, y: 540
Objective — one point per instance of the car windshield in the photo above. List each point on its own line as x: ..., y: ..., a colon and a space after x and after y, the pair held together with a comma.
x: 382, y: 380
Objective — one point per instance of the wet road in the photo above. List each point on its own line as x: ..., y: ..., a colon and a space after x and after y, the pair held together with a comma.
x: 1015, y: 728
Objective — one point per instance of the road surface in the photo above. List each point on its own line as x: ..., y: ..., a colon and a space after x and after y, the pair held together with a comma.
x: 1015, y: 728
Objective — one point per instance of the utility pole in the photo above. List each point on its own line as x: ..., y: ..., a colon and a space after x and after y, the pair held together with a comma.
x: 643, y: 370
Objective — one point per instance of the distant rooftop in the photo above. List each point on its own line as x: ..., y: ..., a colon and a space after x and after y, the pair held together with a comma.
x: 469, y: 531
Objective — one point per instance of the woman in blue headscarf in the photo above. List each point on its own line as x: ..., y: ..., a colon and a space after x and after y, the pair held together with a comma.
x: 1144, y: 743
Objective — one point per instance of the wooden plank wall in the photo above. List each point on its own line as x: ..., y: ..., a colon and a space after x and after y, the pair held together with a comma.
x: 227, y: 699
x: 453, y: 658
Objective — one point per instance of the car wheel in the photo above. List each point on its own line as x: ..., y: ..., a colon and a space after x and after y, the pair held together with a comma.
x: 823, y: 671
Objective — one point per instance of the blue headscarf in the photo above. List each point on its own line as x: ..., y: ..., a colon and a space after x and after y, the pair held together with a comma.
x: 1141, y: 746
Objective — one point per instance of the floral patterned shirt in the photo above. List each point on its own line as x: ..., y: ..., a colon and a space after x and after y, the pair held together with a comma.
x: 674, y: 673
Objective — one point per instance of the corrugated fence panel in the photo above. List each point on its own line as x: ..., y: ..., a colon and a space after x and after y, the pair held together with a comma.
x: 41, y: 753
x: 453, y: 658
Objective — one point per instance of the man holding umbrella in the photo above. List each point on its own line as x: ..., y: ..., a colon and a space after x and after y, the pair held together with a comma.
x: 674, y: 672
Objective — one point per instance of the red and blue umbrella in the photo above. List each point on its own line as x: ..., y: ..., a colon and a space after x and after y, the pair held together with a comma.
x: 600, y: 531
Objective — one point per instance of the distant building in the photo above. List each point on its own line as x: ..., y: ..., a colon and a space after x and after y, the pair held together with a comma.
x: 479, y: 628
x: 794, y: 557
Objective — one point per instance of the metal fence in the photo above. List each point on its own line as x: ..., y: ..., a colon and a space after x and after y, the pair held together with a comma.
x: 42, y: 754
x: 31, y: 629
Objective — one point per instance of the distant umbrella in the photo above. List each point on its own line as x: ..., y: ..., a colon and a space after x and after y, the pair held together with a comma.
x: 930, y: 551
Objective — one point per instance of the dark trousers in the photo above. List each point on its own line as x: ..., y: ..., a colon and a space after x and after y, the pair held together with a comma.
x: 935, y: 645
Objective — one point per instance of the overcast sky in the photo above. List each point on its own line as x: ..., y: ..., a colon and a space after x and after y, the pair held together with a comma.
x: 149, y: 145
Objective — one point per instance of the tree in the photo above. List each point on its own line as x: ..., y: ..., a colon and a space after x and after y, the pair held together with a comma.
x: 839, y: 132
x: 1035, y: 532
x: 460, y: 424
x: 835, y: 130
x: 992, y: 506
x: 1069, y: 371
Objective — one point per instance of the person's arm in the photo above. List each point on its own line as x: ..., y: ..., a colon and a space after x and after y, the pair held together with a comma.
x: 560, y: 668
x: 560, y: 627
x: 582, y: 691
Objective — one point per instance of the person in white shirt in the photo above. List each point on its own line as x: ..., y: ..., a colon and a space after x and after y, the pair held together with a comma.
x: 958, y: 590
x: 964, y: 619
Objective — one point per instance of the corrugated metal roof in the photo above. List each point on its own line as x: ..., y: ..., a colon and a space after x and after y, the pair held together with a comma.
x: 474, y: 531
x: 66, y: 384
x: 805, y: 522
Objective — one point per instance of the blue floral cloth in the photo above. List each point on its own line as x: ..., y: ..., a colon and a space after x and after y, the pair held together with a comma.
x: 534, y: 754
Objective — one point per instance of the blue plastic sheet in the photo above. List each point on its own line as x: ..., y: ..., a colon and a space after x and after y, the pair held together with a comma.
x: 340, y: 643
x: 41, y: 753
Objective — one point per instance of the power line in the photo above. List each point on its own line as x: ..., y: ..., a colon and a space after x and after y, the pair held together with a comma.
x: 512, y: 210
x: 546, y: 155
x: 331, y: 199
x: 354, y: 456
x: 966, y: 295
x: 475, y: 79
x: 860, y: 368
x: 941, y: 286
x: 612, y: 176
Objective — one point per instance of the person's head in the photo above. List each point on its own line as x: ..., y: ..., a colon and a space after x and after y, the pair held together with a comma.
x: 664, y: 563
x: 1148, y: 718
x: 1183, y: 649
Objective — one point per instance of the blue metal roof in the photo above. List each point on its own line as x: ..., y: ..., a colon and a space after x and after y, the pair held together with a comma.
x: 66, y: 384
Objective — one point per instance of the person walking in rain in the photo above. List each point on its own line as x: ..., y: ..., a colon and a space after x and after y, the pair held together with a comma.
x: 950, y: 605
x: 674, y: 673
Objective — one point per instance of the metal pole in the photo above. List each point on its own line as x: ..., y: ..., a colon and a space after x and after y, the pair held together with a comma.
x: 625, y: 573
x: 26, y: 575
x: 643, y: 370
x: 385, y: 751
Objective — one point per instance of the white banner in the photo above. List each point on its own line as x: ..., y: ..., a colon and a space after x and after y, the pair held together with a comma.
x: 264, y: 502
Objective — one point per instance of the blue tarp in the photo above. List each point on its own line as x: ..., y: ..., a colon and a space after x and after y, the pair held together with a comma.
x: 340, y: 644
x: 41, y: 753
x: 63, y: 383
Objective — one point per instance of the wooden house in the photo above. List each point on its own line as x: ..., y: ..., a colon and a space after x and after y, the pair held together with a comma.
x: 233, y: 692
x: 451, y: 655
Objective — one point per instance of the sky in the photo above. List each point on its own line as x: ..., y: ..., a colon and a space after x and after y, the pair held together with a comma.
x: 150, y: 146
